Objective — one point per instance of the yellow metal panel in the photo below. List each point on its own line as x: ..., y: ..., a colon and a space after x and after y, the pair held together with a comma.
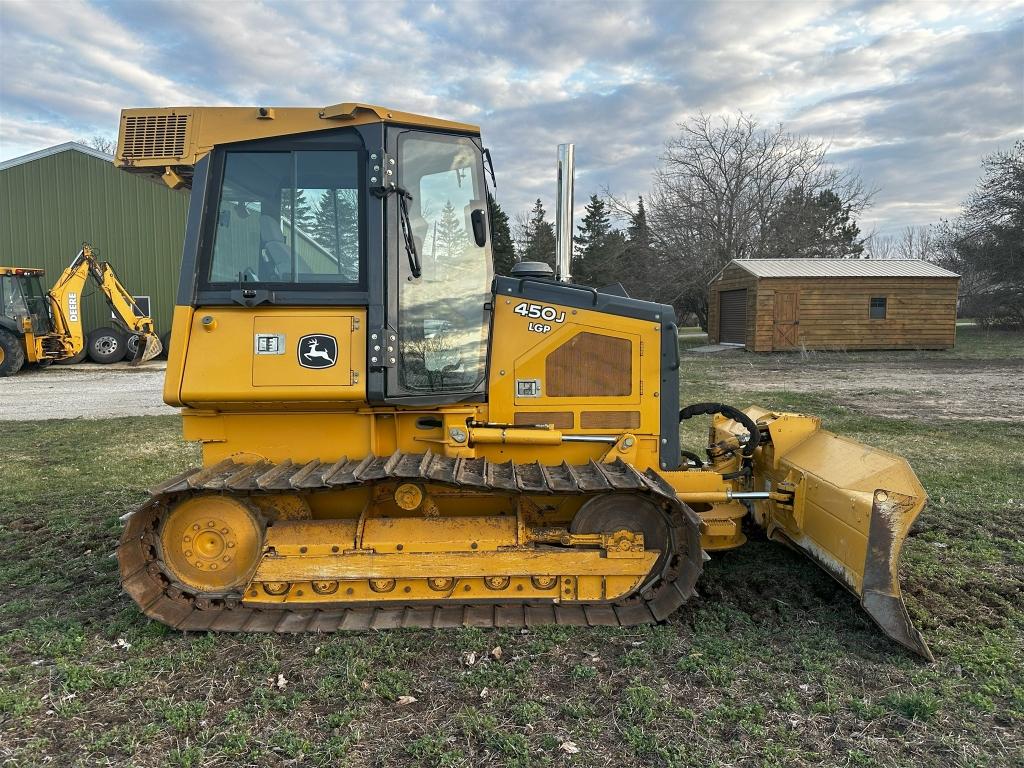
x: 439, y: 534
x: 176, y: 351
x: 451, y: 564
x: 282, y: 370
x: 177, y: 137
x: 525, y: 345
x: 228, y: 335
x: 318, y: 537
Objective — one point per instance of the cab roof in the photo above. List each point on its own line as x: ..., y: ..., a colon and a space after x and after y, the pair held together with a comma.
x: 167, y: 142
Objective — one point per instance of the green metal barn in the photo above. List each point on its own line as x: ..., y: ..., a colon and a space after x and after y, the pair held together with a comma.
x: 53, y: 200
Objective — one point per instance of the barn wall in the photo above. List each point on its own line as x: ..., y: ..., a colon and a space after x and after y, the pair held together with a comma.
x: 921, y: 313
x: 732, y: 278
x: 49, y: 206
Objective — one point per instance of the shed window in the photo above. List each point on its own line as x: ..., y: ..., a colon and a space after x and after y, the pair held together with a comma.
x: 877, y: 311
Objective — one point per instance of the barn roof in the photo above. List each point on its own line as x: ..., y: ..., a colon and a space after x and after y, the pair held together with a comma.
x: 842, y: 268
x: 72, y: 146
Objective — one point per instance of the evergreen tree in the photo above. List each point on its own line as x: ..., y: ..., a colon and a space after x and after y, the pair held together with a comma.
x: 638, y: 231
x: 539, y: 241
x: 812, y: 226
x: 451, y: 240
x: 644, y: 269
x: 302, y: 215
x: 594, y: 256
x: 984, y: 243
x: 501, y: 238
x: 335, y: 228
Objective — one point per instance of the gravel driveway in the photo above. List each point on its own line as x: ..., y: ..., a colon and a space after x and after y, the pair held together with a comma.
x: 84, y: 391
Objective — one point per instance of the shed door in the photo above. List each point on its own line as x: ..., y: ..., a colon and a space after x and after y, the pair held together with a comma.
x: 787, y: 320
x: 732, y: 317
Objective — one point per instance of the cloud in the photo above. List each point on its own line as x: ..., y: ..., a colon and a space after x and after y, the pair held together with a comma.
x: 911, y: 95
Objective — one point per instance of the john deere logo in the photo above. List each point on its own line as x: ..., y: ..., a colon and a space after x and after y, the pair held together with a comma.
x: 318, y: 350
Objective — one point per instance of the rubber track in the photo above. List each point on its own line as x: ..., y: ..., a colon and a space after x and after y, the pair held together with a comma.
x: 143, y: 578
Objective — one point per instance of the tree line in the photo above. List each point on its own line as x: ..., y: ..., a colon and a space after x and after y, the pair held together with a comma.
x: 731, y: 188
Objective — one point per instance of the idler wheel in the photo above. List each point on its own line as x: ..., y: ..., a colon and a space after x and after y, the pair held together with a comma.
x: 212, y: 544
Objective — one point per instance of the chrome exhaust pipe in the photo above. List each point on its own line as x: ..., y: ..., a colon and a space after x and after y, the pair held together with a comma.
x: 563, y: 212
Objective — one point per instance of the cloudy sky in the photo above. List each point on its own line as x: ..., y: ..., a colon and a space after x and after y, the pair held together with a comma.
x: 911, y: 94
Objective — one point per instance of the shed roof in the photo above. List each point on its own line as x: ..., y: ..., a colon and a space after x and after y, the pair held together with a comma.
x: 67, y: 146
x: 842, y: 268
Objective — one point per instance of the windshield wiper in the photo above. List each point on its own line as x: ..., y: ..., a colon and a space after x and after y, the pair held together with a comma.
x: 489, y: 166
x: 415, y: 268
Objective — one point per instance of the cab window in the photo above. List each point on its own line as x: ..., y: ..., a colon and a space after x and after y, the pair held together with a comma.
x: 11, y: 300
x: 288, y: 217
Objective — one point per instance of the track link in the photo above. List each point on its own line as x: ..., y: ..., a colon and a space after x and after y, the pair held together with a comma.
x: 144, y: 578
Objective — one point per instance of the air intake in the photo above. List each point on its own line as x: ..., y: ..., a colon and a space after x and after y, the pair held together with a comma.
x: 148, y: 136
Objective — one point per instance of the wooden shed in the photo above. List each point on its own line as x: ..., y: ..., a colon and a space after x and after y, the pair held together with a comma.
x: 772, y: 305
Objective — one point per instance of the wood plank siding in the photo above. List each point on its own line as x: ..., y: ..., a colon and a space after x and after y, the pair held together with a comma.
x: 834, y: 313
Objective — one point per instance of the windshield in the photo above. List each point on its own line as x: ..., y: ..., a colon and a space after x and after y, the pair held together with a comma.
x: 11, y: 300
x: 23, y: 296
x: 442, y: 322
x: 288, y: 217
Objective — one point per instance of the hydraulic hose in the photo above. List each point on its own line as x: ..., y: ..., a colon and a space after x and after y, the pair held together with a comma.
x: 694, y: 458
x: 708, y: 409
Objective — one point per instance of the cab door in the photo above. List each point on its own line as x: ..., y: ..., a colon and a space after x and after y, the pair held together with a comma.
x: 441, y: 315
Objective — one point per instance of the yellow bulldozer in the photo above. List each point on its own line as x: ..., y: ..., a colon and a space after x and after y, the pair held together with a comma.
x: 392, y: 436
x: 45, y: 327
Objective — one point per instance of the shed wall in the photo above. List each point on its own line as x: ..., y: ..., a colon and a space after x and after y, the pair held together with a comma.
x: 834, y: 313
x: 49, y: 206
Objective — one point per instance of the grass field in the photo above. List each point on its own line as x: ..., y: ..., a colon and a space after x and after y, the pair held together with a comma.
x: 774, y: 664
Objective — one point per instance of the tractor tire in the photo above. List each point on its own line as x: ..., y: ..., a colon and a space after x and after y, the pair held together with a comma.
x: 165, y: 339
x: 107, y: 345
x: 74, y: 360
x: 12, y: 353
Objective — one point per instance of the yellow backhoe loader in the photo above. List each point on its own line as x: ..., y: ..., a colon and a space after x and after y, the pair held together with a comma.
x: 46, y: 327
x: 394, y: 437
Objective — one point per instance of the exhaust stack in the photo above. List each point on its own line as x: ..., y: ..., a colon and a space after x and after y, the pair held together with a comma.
x: 563, y: 212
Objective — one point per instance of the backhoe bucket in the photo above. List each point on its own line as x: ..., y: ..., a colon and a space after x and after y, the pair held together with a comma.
x: 149, y: 346
x: 848, y: 507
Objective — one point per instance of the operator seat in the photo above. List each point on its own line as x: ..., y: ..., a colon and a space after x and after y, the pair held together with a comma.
x: 275, y: 258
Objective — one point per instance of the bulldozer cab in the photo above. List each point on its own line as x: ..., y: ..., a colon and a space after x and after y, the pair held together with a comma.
x: 22, y: 298
x: 297, y: 221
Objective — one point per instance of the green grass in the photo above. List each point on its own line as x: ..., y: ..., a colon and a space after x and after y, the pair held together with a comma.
x: 773, y: 665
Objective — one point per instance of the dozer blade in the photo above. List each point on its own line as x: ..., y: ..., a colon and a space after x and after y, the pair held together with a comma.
x: 851, y: 509
x: 149, y: 346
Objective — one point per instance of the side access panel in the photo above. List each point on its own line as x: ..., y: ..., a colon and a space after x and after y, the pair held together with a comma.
x: 272, y: 355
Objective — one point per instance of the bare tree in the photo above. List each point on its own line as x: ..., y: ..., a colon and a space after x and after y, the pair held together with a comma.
x: 909, y: 243
x: 879, y: 246
x: 915, y: 243
x: 722, y: 183
x: 520, y: 231
x: 104, y: 144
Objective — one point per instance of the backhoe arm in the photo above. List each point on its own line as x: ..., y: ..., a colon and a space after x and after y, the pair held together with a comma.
x: 66, y: 304
x: 65, y: 298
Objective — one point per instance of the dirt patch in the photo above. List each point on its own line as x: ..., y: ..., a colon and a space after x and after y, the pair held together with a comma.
x: 986, y: 390
x: 83, y: 392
